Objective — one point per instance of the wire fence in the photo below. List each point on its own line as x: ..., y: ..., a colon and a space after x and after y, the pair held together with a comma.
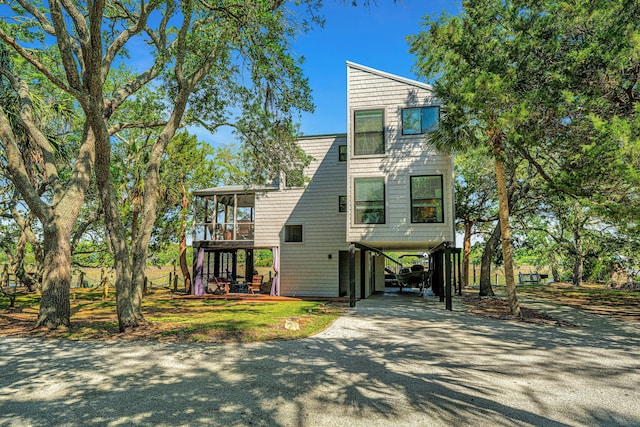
x: 156, y: 277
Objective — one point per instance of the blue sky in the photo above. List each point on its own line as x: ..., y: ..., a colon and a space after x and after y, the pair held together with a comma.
x: 373, y: 36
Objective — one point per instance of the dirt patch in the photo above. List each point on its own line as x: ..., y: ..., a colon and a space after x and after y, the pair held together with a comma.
x: 498, y: 308
x: 590, y: 297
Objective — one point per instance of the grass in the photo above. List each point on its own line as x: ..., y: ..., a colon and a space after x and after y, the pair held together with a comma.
x: 174, y: 320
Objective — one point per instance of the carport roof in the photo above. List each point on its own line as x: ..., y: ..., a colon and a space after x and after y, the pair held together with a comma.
x: 234, y: 189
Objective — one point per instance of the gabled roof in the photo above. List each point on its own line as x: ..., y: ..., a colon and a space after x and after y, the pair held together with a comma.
x: 390, y: 76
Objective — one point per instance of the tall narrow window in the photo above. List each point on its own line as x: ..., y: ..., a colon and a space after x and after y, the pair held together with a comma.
x: 368, y: 132
x: 426, y: 198
x: 419, y: 120
x: 342, y: 153
x: 293, y: 233
x: 342, y: 203
x: 369, y: 201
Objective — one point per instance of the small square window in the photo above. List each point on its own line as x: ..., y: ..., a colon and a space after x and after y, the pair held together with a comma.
x: 342, y: 153
x: 342, y: 203
x: 293, y: 233
x: 417, y: 121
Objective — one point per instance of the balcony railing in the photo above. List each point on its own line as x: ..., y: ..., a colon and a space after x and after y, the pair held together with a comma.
x: 224, y: 231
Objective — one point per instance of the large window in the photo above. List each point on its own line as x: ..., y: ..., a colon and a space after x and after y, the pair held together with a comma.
x: 426, y: 198
x: 369, y: 132
x: 369, y: 201
x: 293, y: 233
x: 419, y: 120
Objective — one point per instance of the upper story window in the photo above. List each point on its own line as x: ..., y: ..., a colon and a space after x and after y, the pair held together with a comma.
x: 368, y: 132
x: 369, y: 201
x: 342, y: 153
x: 416, y: 121
x: 426, y: 198
x: 293, y: 233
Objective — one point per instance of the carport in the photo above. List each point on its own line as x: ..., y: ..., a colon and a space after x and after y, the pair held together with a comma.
x: 444, y: 262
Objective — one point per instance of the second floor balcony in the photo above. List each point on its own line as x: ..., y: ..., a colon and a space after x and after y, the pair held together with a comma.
x: 224, y: 214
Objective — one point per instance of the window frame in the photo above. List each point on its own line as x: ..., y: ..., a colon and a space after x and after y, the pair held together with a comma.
x: 421, y: 109
x: 381, y: 132
x: 343, y: 153
x: 437, y: 201
x: 357, y: 208
x: 287, y: 236
x: 341, y: 203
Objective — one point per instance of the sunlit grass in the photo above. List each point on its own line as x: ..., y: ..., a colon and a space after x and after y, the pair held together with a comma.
x: 177, y: 320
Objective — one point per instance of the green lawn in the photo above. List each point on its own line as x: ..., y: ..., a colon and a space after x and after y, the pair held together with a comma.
x: 176, y: 320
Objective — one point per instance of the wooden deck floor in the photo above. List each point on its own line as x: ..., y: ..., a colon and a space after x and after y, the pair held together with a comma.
x: 259, y: 297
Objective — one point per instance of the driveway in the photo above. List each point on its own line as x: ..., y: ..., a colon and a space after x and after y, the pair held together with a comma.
x: 390, y: 361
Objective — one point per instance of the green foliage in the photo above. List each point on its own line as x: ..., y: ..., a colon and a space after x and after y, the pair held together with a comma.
x: 263, y: 258
x: 559, y: 82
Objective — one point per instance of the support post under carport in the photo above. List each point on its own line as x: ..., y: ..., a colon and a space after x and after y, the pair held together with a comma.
x: 449, y: 273
x: 352, y: 275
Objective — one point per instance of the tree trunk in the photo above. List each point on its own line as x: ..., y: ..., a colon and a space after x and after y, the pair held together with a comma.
x: 578, y: 261
x: 55, y: 308
x: 554, y: 271
x: 183, y: 242
x: 128, y: 316
x: 505, y: 231
x: 490, y: 248
x: 466, y: 252
x: 18, y: 263
x: 148, y: 215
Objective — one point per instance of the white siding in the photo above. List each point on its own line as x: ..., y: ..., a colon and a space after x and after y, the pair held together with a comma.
x: 305, y: 268
x: 404, y: 157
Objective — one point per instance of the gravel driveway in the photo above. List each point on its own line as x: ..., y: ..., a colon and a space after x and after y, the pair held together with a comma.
x: 390, y: 361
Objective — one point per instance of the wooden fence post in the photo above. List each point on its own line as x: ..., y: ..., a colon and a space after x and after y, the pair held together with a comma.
x: 175, y: 277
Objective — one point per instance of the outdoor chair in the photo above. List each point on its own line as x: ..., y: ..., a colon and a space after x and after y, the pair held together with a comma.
x: 255, y: 284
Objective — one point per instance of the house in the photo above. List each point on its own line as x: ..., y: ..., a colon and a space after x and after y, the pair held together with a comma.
x: 378, y: 188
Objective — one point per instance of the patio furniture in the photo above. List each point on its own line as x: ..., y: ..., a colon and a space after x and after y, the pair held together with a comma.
x: 218, y: 286
x: 255, y: 284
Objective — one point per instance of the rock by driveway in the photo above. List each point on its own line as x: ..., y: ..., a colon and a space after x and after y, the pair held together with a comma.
x: 390, y: 361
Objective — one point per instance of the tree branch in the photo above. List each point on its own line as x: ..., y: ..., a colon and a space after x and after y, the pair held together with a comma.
x: 123, y: 37
x: 39, y: 66
x: 17, y: 169
x: 64, y: 47
x: 140, y: 125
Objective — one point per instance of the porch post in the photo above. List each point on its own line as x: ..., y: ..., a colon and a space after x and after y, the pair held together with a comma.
x: 459, y: 255
x: 352, y: 275
x: 363, y: 271
x: 198, y: 288
x: 449, y: 272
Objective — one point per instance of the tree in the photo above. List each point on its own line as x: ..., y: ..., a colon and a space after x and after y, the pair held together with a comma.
x: 35, y: 150
x: 191, y: 165
x: 210, y: 58
x: 475, y: 202
x: 555, y: 83
x: 470, y: 56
